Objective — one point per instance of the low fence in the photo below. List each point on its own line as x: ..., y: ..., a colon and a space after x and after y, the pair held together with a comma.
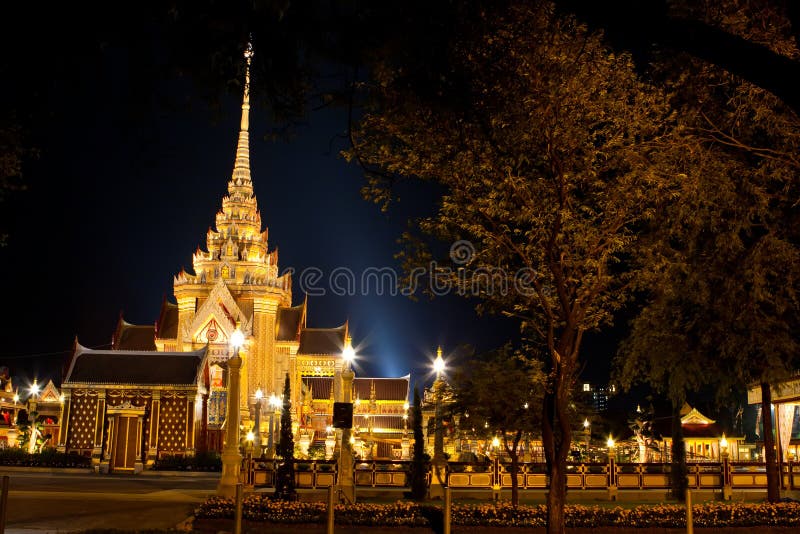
x: 496, y: 475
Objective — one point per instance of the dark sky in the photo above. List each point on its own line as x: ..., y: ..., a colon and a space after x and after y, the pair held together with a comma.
x: 116, y: 205
x: 123, y: 193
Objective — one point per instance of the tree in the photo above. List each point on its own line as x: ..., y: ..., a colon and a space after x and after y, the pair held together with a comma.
x: 687, y: 28
x: 284, y: 476
x: 419, y: 459
x: 501, y: 391
x: 547, y: 148
x: 723, y: 308
x: 641, y: 424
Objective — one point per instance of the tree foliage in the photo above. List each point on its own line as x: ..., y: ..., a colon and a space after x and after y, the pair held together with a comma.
x: 284, y: 475
x: 419, y: 460
x: 723, y: 310
x: 548, y: 148
x: 499, y: 394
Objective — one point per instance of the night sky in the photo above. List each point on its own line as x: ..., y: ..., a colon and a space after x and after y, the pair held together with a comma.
x: 115, y: 206
x: 125, y: 188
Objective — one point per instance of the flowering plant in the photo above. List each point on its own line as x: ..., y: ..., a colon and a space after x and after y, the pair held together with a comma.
x: 404, y: 513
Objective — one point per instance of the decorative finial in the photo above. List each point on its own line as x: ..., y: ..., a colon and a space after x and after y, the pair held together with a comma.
x: 241, y: 167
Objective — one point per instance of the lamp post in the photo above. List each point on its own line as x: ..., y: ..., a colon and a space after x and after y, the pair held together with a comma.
x: 231, y: 458
x: 438, y: 462
x: 405, y: 443
x: 346, y: 473
x: 34, y: 390
x: 274, y: 404
x: 257, y: 427
x: 250, y: 438
x: 16, y: 410
x: 587, y: 432
x: 612, y: 470
x: 727, y: 489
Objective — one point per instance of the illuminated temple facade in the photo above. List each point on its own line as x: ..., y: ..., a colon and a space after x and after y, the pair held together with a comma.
x: 161, y: 389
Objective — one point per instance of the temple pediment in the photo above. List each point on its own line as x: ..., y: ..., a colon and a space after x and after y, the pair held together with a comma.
x: 216, y: 319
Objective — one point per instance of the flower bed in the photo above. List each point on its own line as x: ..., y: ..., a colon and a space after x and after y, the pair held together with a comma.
x: 263, y: 509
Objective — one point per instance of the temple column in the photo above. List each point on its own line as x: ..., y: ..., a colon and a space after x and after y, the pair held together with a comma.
x: 64, y: 422
x: 186, y: 309
x: 155, y: 413
x: 138, y: 463
x: 97, y: 445
x: 190, y: 413
x: 263, y: 354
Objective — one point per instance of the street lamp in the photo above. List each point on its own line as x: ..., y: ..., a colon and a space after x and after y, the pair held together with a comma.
x: 346, y: 471
x: 231, y: 458
x: 438, y: 461
x: 348, y: 354
x: 257, y: 427
x: 587, y: 434
x: 438, y: 440
x: 16, y: 401
x: 438, y: 363
x: 610, y: 444
x: 250, y: 438
x: 34, y: 388
x: 275, y: 404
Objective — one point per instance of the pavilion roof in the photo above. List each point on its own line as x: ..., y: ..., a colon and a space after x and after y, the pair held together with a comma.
x: 140, y: 368
x: 325, y: 341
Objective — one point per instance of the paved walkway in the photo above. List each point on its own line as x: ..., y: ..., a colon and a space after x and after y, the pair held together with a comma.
x: 41, y: 503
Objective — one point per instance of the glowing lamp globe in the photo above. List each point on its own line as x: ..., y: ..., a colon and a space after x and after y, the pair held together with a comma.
x: 348, y: 354
x: 495, y: 442
x: 251, y: 436
x: 723, y: 443
x: 237, y: 339
x: 610, y: 442
x: 259, y: 394
x: 438, y: 364
x: 34, y: 388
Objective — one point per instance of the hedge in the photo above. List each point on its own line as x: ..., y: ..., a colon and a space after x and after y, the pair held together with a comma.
x: 200, y: 462
x: 47, y: 458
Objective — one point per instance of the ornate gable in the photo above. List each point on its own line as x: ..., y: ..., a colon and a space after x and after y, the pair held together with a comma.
x: 216, y: 318
x: 50, y: 393
x: 694, y: 417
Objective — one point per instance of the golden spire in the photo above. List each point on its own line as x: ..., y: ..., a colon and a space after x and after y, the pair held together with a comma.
x: 241, y: 168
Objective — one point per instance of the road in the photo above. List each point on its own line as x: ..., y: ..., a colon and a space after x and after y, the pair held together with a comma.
x: 41, y: 502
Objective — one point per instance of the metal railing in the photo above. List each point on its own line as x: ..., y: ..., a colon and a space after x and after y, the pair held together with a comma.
x: 497, y: 475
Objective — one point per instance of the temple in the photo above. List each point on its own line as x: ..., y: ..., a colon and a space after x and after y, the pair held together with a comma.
x: 161, y: 388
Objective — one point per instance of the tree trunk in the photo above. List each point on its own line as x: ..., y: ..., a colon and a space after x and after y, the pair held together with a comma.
x: 556, y: 441
x: 513, y: 453
x: 514, y: 481
x: 556, y: 497
x: 773, y: 477
x: 678, y: 470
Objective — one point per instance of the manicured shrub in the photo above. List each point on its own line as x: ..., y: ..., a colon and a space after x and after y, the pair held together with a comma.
x: 47, y: 458
x: 207, y: 461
